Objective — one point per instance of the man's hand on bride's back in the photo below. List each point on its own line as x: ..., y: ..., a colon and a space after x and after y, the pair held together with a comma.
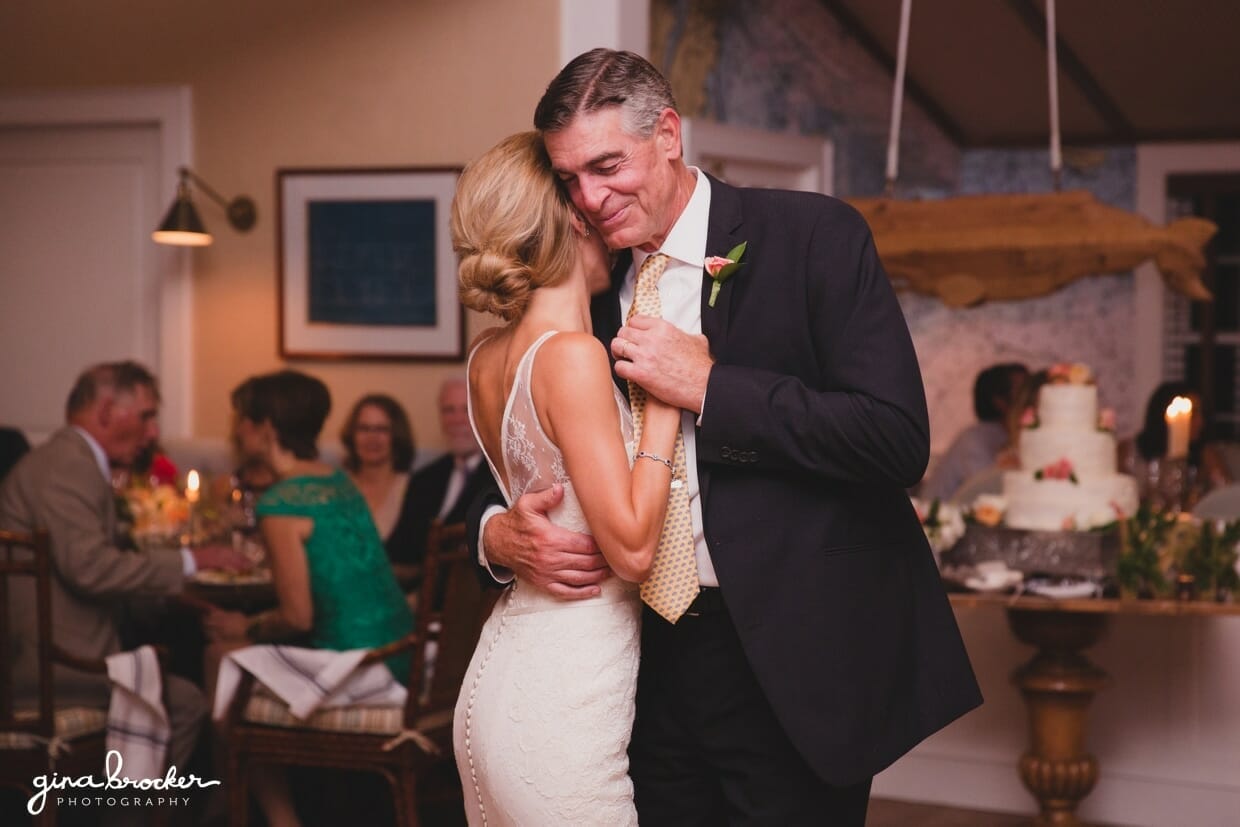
x: 565, y: 563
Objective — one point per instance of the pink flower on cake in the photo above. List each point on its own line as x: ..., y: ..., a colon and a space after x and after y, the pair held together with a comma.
x: 1029, y: 419
x: 1058, y: 372
x: 1069, y: 523
x: 1069, y: 373
x: 1106, y: 419
x: 1059, y: 470
x: 1079, y: 374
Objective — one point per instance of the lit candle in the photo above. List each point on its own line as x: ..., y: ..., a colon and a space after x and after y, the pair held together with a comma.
x: 1179, y: 418
x: 191, y: 486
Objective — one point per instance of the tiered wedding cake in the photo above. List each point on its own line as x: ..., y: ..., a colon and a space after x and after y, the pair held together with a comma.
x: 1067, y: 479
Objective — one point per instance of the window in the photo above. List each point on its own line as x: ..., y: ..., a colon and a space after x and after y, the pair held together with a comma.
x: 1202, y: 339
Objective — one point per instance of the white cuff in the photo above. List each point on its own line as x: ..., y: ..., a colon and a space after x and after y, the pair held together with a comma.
x: 701, y: 408
x: 499, y: 574
x: 189, y: 567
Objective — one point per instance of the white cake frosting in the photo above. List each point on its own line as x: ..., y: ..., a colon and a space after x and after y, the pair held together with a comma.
x: 1067, y: 430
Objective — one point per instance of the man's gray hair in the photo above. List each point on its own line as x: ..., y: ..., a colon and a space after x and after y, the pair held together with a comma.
x: 601, y: 78
x: 117, y: 377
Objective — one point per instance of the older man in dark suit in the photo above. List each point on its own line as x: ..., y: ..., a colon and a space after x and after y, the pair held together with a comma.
x: 64, y: 487
x: 820, y: 646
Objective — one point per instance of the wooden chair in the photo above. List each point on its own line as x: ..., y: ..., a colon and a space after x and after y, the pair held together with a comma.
x: 399, y: 743
x: 45, y: 739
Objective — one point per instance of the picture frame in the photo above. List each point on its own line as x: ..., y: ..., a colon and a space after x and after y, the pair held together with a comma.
x: 365, y: 264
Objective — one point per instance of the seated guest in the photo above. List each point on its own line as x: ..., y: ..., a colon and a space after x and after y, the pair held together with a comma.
x: 64, y: 487
x: 332, y: 578
x: 378, y: 444
x: 13, y: 446
x: 445, y: 488
x: 996, y: 392
x: 1205, y: 458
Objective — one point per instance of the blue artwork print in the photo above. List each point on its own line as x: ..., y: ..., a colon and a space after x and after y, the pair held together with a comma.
x: 372, y: 262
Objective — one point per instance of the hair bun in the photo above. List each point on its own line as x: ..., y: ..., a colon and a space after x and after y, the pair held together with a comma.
x: 492, y: 282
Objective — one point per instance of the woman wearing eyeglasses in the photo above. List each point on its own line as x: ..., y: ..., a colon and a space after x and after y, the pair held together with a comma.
x: 379, y: 450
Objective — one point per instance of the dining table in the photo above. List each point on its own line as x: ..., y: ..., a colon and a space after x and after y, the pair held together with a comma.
x: 1059, y: 682
x: 254, y: 591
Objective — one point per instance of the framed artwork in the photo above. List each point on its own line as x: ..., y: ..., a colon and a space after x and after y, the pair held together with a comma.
x: 366, y: 268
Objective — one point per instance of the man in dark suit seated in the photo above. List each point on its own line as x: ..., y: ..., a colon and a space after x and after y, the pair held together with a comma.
x: 445, y: 488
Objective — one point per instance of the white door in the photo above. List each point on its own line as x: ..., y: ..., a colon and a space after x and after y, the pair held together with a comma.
x: 78, y: 276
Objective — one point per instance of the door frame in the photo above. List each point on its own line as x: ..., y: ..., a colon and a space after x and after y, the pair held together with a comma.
x: 168, y: 108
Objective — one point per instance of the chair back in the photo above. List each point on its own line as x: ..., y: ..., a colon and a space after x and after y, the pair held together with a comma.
x: 452, y: 607
x: 1223, y: 503
x: 26, y: 556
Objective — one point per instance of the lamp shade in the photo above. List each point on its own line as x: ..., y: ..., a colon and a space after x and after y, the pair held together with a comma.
x: 182, y: 226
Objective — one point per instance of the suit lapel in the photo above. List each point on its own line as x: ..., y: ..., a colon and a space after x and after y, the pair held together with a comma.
x: 605, y: 313
x: 723, y: 232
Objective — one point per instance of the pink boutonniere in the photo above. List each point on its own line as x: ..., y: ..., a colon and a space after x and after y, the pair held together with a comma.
x: 721, y: 268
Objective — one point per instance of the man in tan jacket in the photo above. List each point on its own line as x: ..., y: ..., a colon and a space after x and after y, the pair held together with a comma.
x: 64, y: 486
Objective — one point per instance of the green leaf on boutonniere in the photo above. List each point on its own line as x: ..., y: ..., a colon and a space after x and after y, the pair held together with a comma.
x: 721, y: 268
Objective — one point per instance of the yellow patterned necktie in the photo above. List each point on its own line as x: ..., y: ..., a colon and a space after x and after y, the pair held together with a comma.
x: 673, y: 582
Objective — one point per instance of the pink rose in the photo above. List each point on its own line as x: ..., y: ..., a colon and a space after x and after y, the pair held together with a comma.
x: 1029, y: 419
x: 1069, y: 524
x: 1059, y: 372
x: 163, y: 471
x: 716, y: 263
x: 1106, y: 419
x: 1060, y: 470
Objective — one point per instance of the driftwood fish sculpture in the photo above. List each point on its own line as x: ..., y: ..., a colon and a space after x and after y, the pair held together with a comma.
x: 976, y: 248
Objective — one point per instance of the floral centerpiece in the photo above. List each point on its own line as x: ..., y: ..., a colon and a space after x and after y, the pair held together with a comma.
x: 150, y: 507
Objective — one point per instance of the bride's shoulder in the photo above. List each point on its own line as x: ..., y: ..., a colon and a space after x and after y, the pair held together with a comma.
x: 572, y: 349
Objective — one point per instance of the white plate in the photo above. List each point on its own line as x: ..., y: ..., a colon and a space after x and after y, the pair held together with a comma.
x: 1062, y: 591
x: 977, y: 584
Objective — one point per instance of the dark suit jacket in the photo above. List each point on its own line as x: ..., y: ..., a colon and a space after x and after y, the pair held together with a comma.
x: 815, y: 423
x: 423, y: 497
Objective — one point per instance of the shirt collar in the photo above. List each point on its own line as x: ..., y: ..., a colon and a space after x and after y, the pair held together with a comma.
x: 686, y: 242
x: 101, y: 459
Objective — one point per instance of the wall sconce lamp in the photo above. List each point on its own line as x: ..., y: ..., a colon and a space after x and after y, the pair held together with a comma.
x: 182, y: 226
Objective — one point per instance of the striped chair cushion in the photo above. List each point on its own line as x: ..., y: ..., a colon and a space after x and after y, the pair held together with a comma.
x: 70, y: 722
x: 265, y: 708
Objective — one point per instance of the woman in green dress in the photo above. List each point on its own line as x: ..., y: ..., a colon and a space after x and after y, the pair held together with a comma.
x: 335, y: 587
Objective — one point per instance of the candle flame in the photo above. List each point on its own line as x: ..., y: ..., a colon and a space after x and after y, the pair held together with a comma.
x: 1180, y: 406
x: 192, y: 482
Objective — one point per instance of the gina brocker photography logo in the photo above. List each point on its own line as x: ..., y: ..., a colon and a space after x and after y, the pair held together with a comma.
x: 114, y: 789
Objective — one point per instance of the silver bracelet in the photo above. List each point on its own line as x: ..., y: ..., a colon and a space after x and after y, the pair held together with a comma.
x: 656, y: 458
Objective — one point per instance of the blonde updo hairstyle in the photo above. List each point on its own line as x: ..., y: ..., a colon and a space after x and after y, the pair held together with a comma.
x: 511, y: 227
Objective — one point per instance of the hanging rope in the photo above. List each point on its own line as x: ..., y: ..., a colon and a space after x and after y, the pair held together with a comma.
x: 897, y: 100
x: 1052, y: 75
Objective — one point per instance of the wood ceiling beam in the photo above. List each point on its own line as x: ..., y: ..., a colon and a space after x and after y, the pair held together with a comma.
x: 868, y: 41
x: 1034, y: 18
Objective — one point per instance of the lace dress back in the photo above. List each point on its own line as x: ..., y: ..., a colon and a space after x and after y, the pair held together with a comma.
x: 546, y: 710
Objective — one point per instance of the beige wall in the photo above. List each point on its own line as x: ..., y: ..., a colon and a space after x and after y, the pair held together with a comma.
x: 287, y: 83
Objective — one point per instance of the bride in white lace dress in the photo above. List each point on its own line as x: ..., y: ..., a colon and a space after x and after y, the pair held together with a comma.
x: 544, y: 717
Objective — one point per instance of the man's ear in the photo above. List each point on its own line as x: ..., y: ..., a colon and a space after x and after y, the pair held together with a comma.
x: 667, y: 134
x: 105, y: 408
